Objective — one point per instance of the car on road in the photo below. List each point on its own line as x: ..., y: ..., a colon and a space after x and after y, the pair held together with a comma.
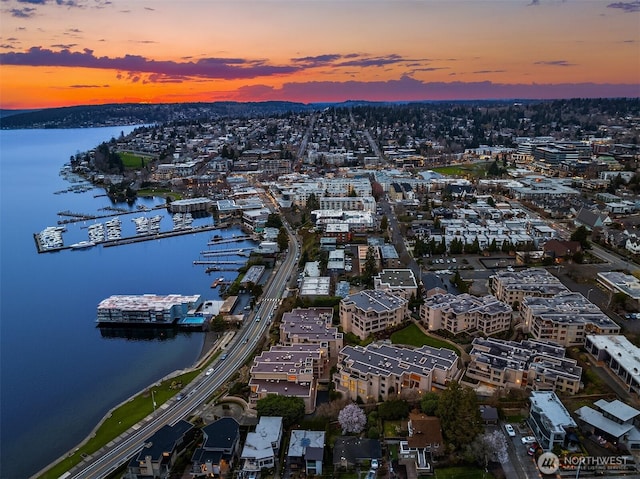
x: 209, y: 371
x: 224, y: 356
x: 531, y: 450
x: 528, y: 439
x: 510, y: 430
x: 374, y: 464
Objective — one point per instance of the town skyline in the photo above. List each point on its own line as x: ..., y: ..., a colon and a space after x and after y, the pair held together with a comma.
x: 80, y: 52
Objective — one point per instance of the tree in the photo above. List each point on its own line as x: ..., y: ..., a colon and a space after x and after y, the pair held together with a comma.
x: 489, y: 447
x: 352, y: 419
x: 384, y: 223
x: 273, y: 221
x: 393, y: 409
x: 283, y: 239
x: 459, y: 415
x: 290, y: 408
x: 370, y: 267
x: 312, y: 202
x: 429, y: 403
x: 581, y: 234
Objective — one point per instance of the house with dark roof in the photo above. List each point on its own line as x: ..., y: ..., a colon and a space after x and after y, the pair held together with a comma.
x: 219, y: 450
x: 351, y: 451
x: 591, y: 219
x: 306, y: 450
x: 489, y: 415
x: 424, y: 442
x: 559, y: 249
x: 160, y: 451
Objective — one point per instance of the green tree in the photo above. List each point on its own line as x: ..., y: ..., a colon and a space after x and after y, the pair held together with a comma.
x: 273, y: 221
x: 393, y: 409
x: 370, y: 267
x: 312, y: 202
x: 283, y: 239
x: 459, y: 415
x: 384, y: 223
x: 581, y: 234
x: 290, y: 408
x: 218, y: 324
x: 429, y: 403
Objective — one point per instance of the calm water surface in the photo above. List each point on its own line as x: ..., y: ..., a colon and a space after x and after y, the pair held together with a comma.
x: 59, y: 374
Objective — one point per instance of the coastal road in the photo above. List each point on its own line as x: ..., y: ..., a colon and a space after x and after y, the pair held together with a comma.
x: 239, y: 349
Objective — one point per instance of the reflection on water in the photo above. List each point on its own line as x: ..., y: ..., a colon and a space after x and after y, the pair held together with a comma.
x: 140, y: 334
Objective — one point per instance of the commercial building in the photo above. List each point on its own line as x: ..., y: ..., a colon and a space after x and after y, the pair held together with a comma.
x: 370, y: 311
x: 380, y: 371
x: 465, y: 313
x: 146, y: 309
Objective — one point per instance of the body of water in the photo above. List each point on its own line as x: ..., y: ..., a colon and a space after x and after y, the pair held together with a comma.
x: 59, y: 374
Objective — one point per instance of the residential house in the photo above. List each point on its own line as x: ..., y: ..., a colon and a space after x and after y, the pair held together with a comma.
x: 424, y: 441
x: 220, y: 447
x: 560, y: 249
x: 612, y: 421
x: 306, y: 451
x: 160, y: 451
x: 262, y: 447
x: 591, y: 219
x: 549, y: 420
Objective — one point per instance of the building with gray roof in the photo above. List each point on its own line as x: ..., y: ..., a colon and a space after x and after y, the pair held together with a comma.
x: 465, y: 313
x: 381, y: 370
x: 261, y: 448
x: 528, y: 364
x: 306, y: 451
x: 618, y: 282
x: 565, y: 318
x: 549, y: 419
x: 513, y: 286
x: 620, y: 355
x: 312, y: 326
x: 401, y: 282
x: 370, y: 311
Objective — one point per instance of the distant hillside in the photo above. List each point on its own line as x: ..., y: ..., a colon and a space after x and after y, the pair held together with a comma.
x: 134, y: 113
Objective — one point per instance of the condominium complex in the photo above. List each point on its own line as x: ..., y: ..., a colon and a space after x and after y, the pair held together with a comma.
x: 312, y: 326
x: 380, y: 370
x: 146, y: 308
x: 528, y: 364
x: 370, y: 311
x: 566, y: 318
x: 465, y: 313
x: 513, y: 286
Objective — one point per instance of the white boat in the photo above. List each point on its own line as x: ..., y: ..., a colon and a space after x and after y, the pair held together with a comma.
x: 82, y: 245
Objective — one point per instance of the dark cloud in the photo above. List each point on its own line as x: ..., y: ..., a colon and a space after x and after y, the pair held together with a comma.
x: 89, y: 86
x: 33, y: 2
x: 7, y: 46
x: 65, y: 46
x: 489, y: 71
x: 144, y: 41
x: 628, y: 7
x: 150, y: 9
x: 224, y: 68
x: 25, y: 12
x: 318, y: 60
x: 555, y: 63
x: 374, y: 61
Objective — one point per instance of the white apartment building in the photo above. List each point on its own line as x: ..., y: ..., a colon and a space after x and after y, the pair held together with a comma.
x: 513, y: 286
x: 370, y: 311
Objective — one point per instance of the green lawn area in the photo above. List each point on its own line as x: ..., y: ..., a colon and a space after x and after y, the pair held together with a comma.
x: 413, y: 336
x: 462, y: 472
x: 470, y: 169
x: 122, y: 419
x: 133, y: 162
x: 395, y: 428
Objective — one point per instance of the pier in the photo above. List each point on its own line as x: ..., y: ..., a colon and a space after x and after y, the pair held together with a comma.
x: 228, y: 240
x: 228, y: 252
x: 214, y: 262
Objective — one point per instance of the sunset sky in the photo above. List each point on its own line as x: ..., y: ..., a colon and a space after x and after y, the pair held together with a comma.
x: 77, y: 52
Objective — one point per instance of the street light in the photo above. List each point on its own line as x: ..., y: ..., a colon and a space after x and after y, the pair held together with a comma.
x: 153, y: 399
x: 588, y: 293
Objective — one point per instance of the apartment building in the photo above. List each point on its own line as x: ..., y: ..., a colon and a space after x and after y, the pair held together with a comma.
x: 528, y: 364
x: 380, y: 370
x: 465, y: 313
x: 287, y: 371
x: 513, y: 286
x: 620, y: 355
x: 565, y: 318
x: 350, y: 203
x: 312, y: 326
x: 370, y: 311
x: 401, y: 282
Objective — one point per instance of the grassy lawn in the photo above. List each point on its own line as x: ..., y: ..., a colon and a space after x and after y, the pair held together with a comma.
x: 133, y: 162
x: 413, y: 336
x: 470, y: 169
x: 122, y: 419
x: 462, y: 472
x: 162, y: 192
x: 394, y: 428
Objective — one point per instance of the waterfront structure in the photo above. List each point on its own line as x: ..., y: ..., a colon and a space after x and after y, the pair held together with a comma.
x: 513, y: 286
x: 190, y: 205
x: 465, y: 313
x: 262, y: 447
x: 306, y: 451
x: 146, y: 309
x: 620, y: 356
x: 370, y: 311
x: 528, y: 364
x: 549, y: 419
x: 380, y: 371
x: 253, y: 275
x: 565, y: 318
x: 160, y: 451
x: 611, y: 421
x: 220, y: 447
x: 401, y: 282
